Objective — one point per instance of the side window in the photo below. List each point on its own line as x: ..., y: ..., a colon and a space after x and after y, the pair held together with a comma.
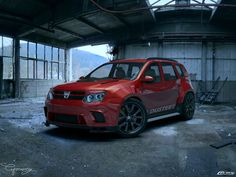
x: 169, y: 73
x: 153, y: 70
x: 180, y: 71
x: 121, y: 70
x: 134, y: 71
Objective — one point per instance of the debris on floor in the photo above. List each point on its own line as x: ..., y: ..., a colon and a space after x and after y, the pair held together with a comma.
x: 189, y: 148
x: 221, y: 144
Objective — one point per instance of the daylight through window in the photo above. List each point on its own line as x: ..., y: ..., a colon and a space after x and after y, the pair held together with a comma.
x: 40, y: 61
x: 6, y: 52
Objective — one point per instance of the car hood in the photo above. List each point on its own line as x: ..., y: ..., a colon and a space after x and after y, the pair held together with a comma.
x: 92, y: 85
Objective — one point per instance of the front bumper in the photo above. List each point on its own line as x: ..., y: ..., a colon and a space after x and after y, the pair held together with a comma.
x: 85, y: 127
x: 95, y: 116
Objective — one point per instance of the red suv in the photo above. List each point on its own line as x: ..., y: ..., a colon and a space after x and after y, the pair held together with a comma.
x: 122, y: 96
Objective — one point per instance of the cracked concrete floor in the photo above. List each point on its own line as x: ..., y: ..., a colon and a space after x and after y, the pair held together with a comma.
x: 168, y: 148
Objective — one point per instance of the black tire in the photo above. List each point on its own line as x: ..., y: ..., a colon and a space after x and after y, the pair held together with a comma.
x: 188, y: 107
x: 132, y: 119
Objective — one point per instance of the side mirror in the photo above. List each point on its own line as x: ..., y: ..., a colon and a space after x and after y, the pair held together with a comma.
x: 148, y: 79
x: 82, y: 78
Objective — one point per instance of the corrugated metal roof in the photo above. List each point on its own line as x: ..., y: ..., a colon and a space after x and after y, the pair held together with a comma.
x: 71, y: 23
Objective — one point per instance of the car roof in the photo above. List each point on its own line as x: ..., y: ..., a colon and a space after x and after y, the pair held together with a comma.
x: 129, y: 61
x: 142, y: 60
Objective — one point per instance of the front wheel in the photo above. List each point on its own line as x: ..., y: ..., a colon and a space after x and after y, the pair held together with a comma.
x: 188, y: 107
x: 132, y: 119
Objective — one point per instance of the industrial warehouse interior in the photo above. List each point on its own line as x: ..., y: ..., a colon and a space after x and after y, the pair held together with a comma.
x: 39, y: 42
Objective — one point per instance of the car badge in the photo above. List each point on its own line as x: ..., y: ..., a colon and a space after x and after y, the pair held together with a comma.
x: 66, y: 95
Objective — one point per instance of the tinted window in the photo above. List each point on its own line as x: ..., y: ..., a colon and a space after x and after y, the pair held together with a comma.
x: 121, y: 71
x: 153, y: 70
x: 169, y: 73
x: 116, y: 71
x: 134, y: 71
x: 102, y: 72
x: 180, y: 71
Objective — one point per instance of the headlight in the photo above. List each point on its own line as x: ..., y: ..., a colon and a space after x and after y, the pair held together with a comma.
x: 50, y: 95
x: 94, y: 97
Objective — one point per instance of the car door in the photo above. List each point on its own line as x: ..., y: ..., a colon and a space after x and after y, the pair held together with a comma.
x: 152, y: 93
x: 171, y: 85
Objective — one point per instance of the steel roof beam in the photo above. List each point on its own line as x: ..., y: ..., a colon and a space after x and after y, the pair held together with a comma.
x: 166, y: 5
x: 151, y: 10
x: 45, y: 40
x: 200, y: 3
x: 213, y: 1
x: 92, y: 25
x: 22, y: 20
x: 68, y: 32
x: 214, y: 11
x: 120, y: 20
x: 196, y: 1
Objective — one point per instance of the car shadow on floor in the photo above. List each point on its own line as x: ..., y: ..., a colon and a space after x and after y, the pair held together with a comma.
x: 78, y: 134
x: 163, y: 122
x: 85, y: 135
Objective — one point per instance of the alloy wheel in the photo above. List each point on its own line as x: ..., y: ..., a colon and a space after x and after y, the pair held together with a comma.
x: 132, y: 118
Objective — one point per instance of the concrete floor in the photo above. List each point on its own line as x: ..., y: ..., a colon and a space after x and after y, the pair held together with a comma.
x: 168, y: 148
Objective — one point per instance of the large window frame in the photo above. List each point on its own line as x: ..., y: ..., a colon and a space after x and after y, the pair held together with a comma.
x: 49, y: 64
x: 6, y: 51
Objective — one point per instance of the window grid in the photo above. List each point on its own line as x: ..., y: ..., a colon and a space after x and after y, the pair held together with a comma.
x: 6, y: 51
x: 43, y: 68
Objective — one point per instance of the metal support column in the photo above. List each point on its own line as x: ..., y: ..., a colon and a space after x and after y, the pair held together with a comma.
x: 1, y: 76
x: 213, y: 60
x: 17, y: 67
x: 121, y: 52
x: 160, y: 49
x: 204, y: 65
x: 68, y: 65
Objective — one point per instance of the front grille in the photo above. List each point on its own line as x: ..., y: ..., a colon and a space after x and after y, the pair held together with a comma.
x: 74, y: 95
x: 63, y: 118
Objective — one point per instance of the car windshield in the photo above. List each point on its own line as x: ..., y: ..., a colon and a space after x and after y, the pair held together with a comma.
x: 128, y: 71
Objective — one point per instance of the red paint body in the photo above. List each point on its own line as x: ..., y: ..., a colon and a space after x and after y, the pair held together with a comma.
x: 152, y: 95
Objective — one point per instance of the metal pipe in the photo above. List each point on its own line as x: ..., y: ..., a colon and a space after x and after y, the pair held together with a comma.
x: 160, y: 6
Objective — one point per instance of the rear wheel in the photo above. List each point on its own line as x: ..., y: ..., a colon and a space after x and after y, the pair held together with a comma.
x: 188, y: 107
x: 132, y: 119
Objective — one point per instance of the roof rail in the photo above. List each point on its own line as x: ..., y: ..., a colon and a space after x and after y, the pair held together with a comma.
x: 160, y: 58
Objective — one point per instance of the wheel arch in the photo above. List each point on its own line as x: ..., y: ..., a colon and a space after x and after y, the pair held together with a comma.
x: 181, y: 99
x: 137, y: 98
x: 132, y: 97
x: 189, y: 92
